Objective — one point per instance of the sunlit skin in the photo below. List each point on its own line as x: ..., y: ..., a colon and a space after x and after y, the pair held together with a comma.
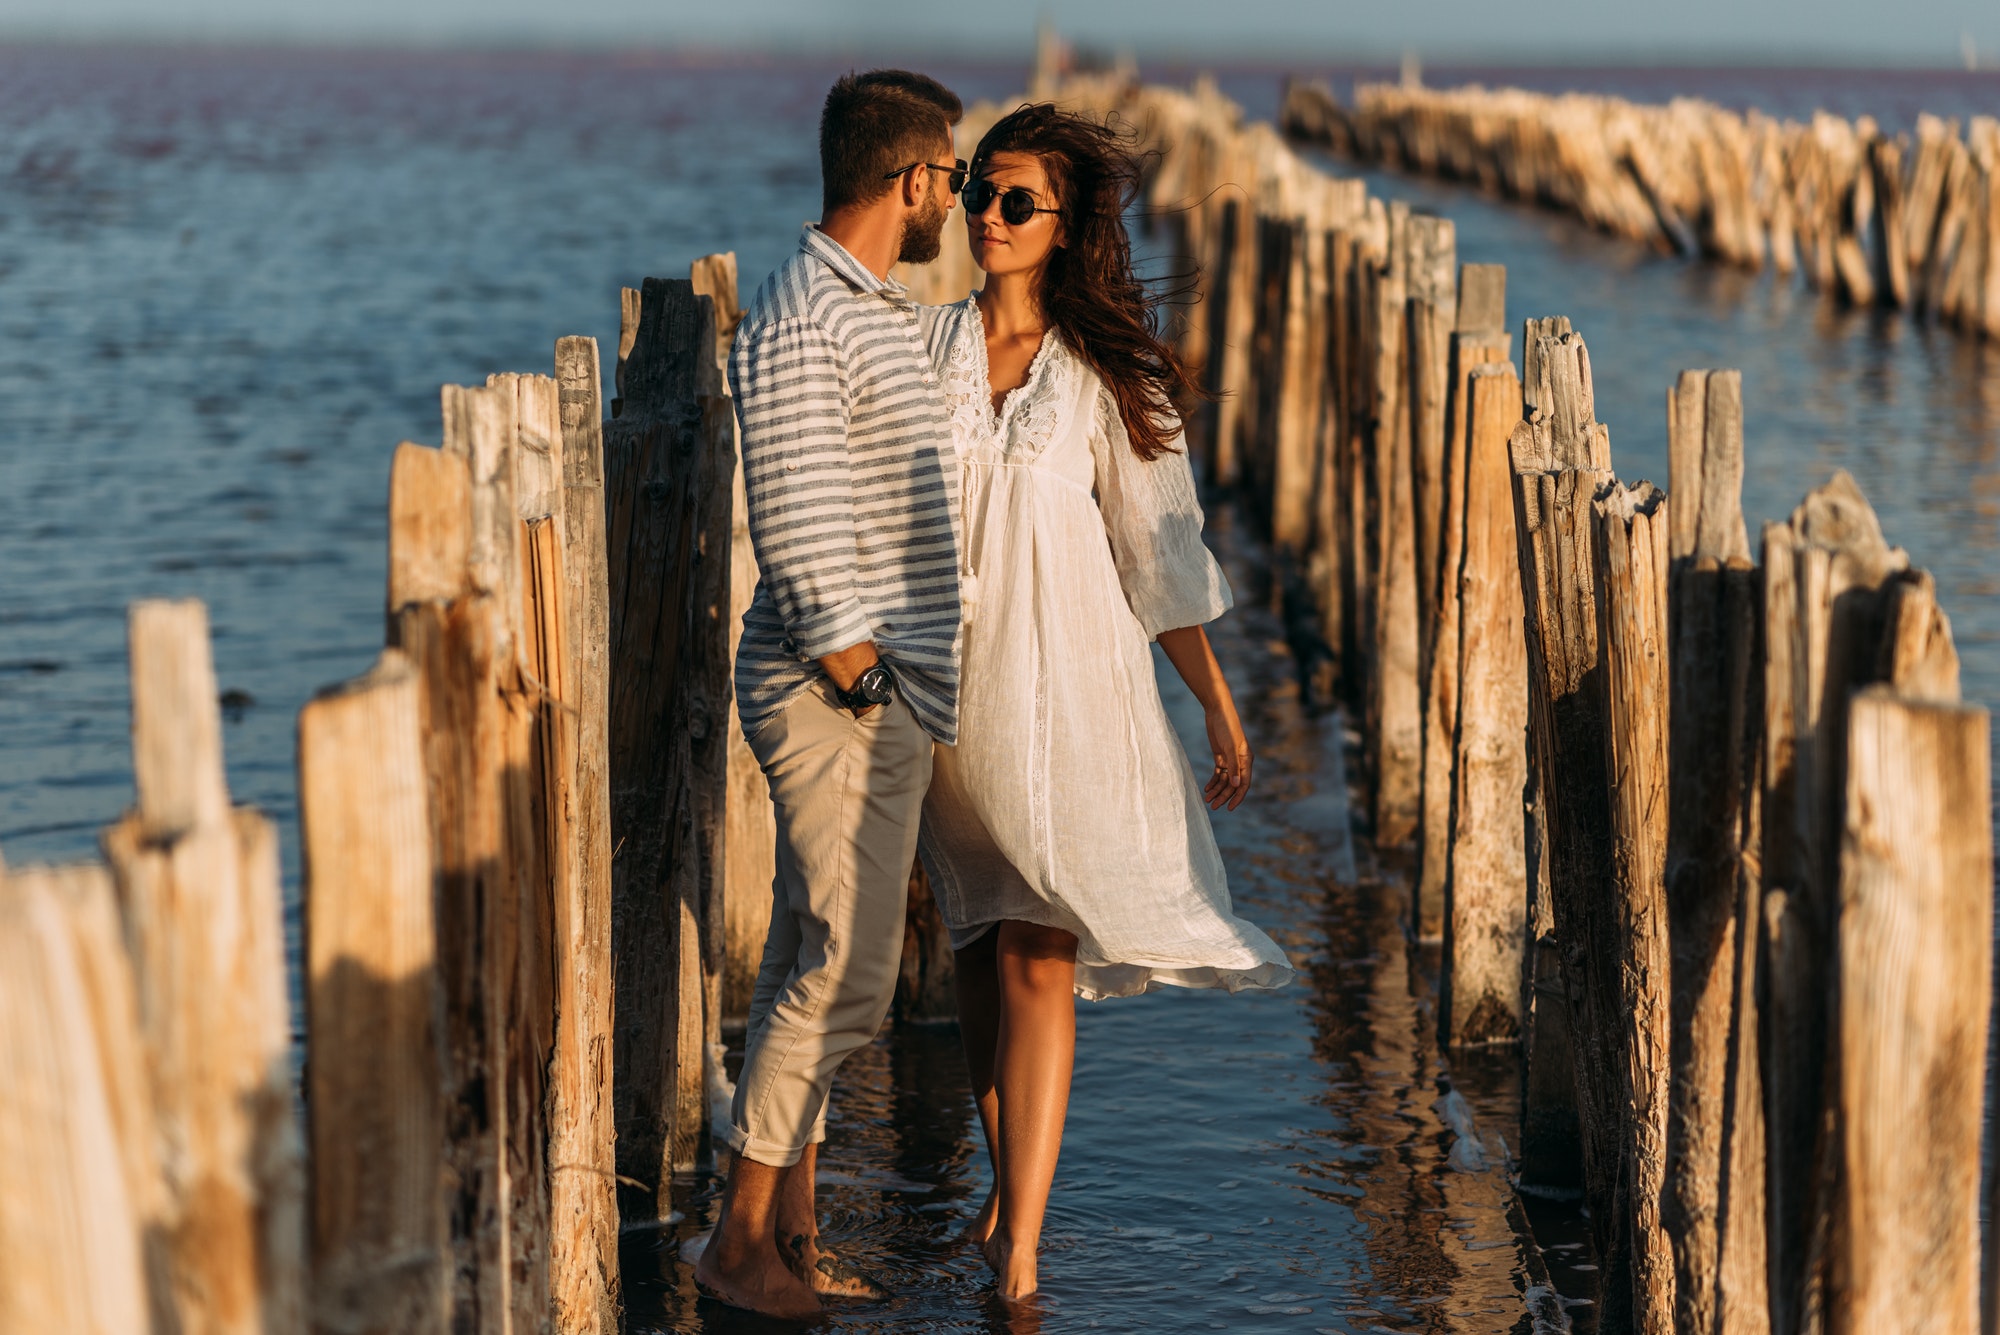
x: 1017, y: 1009
x: 764, y: 1254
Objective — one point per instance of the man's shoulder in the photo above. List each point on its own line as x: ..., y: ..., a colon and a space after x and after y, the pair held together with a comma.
x: 801, y: 290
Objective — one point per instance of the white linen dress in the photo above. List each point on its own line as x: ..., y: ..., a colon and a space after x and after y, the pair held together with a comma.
x: 1068, y: 800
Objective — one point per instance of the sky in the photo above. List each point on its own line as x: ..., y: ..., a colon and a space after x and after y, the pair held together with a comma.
x: 1923, y: 32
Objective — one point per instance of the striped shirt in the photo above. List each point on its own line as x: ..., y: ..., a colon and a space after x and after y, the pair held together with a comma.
x: 849, y: 471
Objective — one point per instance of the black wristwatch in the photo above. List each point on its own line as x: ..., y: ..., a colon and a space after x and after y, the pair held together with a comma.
x: 875, y: 686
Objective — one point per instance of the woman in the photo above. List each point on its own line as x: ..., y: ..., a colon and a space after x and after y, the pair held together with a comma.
x: 1066, y: 837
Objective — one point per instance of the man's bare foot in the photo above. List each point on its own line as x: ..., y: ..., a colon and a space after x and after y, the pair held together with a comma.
x: 1013, y: 1267
x: 825, y: 1273
x: 755, y: 1279
x: 981, y: 1228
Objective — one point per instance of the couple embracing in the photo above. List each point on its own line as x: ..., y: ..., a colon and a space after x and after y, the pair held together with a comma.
x: 971, y: 522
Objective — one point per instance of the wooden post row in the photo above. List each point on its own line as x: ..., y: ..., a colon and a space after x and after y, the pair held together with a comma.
x: 1877, y: 906
x: 495, y: 597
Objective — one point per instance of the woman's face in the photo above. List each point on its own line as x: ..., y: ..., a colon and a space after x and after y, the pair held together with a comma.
x: 1001, y: 247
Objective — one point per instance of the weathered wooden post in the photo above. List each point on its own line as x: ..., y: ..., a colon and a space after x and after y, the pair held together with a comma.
x: 82, y: 1203
x: 1468, y: 346
x: 198, y: 885
x: 1232, y: 293
x: 1485, y: 897
x: 1395, y: 724
x: 583, y: 1204
x: 711, y: 709
x: 1430, y: 319
x: 380, y: 1242
x: 653, y: 453
x: 1631, y: 561
x: 1824, y: 577
x: 750, y: 857
x: 1561, y: 459
x: 458, y: 639
x: 1914, y: 982
x: 1292, y: 421
x: 1354, y: 464
x: 1715, y: 1192
x: 1327, y: 549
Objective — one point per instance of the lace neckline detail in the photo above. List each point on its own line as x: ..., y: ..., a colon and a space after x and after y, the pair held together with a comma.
x: 996, y: 419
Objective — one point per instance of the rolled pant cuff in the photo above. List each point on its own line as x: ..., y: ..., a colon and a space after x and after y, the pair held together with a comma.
x: 770, y: 1152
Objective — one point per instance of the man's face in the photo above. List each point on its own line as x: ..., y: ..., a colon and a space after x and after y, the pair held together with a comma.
x: 923, y: 229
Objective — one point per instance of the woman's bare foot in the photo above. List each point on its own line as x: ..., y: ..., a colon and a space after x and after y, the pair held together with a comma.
x: 981, y: 1228
x: 1013, y: 1267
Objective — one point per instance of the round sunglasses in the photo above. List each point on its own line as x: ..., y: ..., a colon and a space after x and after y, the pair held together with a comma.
x: 957, y: 170
x: 1017, y: 205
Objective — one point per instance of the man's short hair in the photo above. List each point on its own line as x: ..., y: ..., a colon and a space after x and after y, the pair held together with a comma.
x: 875, y: 123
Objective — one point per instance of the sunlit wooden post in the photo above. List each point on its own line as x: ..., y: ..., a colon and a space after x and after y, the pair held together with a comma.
x: 198, y: 885
x: 380, y: 1242
x: 82, y: 1201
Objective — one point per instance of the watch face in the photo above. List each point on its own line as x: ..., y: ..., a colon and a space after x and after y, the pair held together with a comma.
x: 876, y: 684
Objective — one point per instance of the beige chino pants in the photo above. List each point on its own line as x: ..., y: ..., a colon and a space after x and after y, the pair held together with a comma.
x: 849, y: 793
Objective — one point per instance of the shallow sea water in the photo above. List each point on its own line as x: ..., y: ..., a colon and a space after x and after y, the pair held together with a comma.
x: 231, y: 281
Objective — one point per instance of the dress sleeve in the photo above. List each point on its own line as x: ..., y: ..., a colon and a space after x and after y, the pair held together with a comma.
x: 1153, y: 518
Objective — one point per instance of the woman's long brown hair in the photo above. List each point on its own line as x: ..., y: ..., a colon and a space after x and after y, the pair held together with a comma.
x: 1091, y: 294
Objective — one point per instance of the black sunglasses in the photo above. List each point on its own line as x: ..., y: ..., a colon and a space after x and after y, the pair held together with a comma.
x: 1017, y: 205
x: 957, y: 182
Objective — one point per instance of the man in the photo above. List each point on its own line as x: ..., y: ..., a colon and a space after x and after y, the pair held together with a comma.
x: 848, y: 667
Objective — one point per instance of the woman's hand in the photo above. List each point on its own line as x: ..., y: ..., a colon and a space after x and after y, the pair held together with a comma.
x: 1230, y: 783
x: 1190, y: 653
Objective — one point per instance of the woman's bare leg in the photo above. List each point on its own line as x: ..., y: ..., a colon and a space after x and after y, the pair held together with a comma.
x: 977, y: 971
x: 1033, y: 1059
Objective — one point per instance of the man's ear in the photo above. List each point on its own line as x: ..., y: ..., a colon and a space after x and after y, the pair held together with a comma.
x: 915, y: 183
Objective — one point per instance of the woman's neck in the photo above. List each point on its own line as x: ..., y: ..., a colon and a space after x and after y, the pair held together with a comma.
x: 1008, y: 307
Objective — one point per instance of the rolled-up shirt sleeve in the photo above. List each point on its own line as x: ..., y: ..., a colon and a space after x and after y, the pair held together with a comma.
x: 1153, y: 518
x: 786, y: 376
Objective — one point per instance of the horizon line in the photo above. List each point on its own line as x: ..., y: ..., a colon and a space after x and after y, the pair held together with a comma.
x: 1248, y: 57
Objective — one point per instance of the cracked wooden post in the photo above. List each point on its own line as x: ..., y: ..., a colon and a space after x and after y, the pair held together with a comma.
x: 380, y: 1242
x: 1631, y: 557
x: 1561, y: 461
x: 1469, y: 347
x: 1485, y: 897
x: 198, y: 885
x: 1715, y: 1194
x: 652, y: 460
x: 83, y: 1202
x: 583, y: 1204
x: 1394, y: 719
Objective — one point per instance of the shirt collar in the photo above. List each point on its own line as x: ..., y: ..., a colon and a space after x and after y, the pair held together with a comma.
x: 836, y: 257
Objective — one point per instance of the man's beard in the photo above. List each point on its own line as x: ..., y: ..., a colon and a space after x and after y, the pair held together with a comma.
x: 923, y: 233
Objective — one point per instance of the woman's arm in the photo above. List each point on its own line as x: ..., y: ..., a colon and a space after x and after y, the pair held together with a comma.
x: 1189, y: 651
